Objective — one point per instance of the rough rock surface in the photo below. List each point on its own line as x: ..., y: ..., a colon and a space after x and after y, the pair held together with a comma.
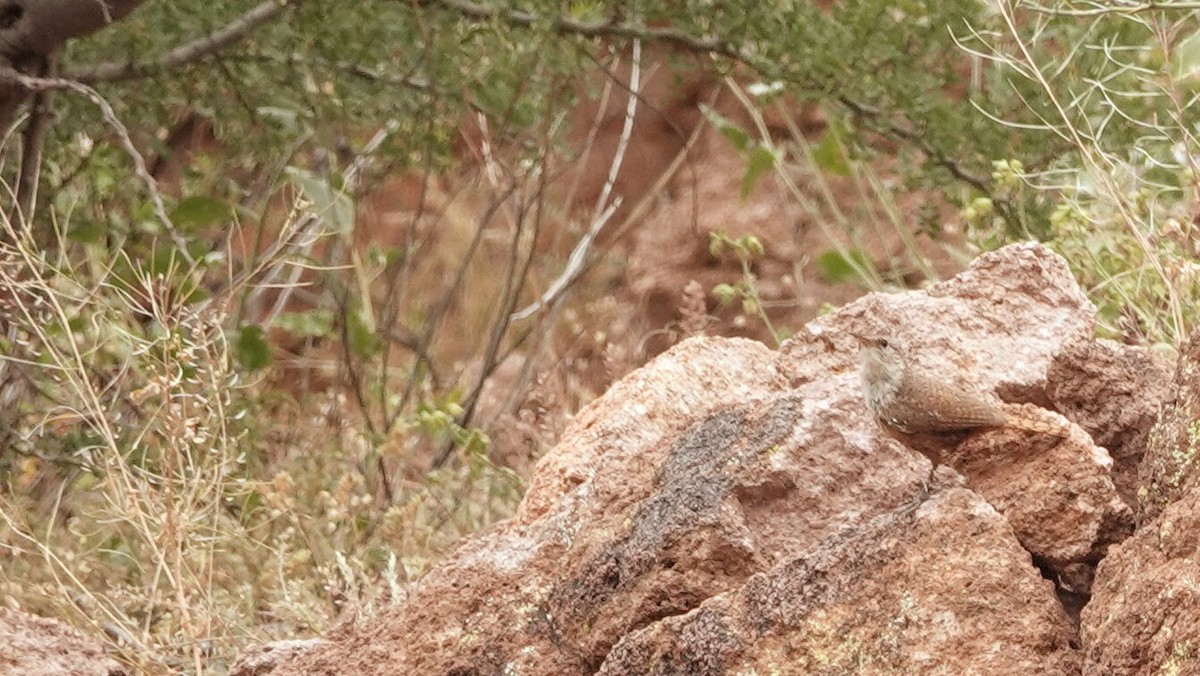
x: 1144, y: 617
x: 997, y: 327
x: 265, y: 658
x: 886, y: 598
x: 1169, y: 468
x: 728, y: 508
x: 39, y: 646
x: 1113, y: 391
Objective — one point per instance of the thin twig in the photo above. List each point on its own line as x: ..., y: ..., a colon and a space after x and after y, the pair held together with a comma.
x: 1117, y: 7
x: 1101, y: 165
x: 604, y: 208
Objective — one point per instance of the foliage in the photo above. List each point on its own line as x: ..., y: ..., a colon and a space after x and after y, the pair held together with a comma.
x: 161, y: 534
x: 1118, y: 88
x: 745, y: 290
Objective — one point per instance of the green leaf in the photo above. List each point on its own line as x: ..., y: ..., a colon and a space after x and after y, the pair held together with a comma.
x: 196, y: 294
x: 724, y: 293
x: 334, y: 205
x: 735, y: 134
x: 307, y: 324
x: 830, y: 153
x: 716, y: 243
x: 753, y: 245
x: 838, y: 266
x: 758, y: 161
x: 199, y: 211
x: 1185, y: 62
x: 363, y: 340
x: 253, y: 352
x: 164, y: 259
x: 87, y: 232
x: 283, y: 116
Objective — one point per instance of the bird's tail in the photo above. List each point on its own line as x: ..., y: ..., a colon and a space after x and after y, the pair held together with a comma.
x: 1030, y: 418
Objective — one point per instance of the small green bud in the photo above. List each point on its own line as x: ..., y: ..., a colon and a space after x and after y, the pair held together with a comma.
x: 753, y: 244
x: 716, y: 242
x: 724, y: 293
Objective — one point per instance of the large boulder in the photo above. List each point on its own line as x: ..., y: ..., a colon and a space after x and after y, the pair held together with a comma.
x: 727, y: 508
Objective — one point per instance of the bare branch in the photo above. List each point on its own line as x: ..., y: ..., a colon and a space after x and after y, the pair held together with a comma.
x: 604, y: 208
x: 885, y: 127
x: 44, y: 84
x: 32, y: 145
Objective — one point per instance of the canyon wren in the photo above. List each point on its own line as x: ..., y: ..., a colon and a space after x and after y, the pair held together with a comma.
x: 927, y: 414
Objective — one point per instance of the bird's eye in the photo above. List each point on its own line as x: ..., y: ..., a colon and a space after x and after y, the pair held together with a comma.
x: 883, y: 342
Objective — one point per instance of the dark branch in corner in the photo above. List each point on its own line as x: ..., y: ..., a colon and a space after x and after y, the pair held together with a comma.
x: 934, y: 155
x: 190, y: 52
x: 915, y: 139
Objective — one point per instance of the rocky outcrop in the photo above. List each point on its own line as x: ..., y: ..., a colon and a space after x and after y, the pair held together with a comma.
x: 998, y: 327
x: 40, y: 646
x: 729, y: 509
x: 1171, y: 466
x: 887, y: 597
x: 1144, y: 616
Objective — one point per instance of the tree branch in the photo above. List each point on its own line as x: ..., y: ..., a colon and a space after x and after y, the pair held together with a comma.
x: 33, y: 143
x: 190, y: 52
x: 704, y: 45
x: 596, y: 29
x: 43, y: 26
x: 45, y: 84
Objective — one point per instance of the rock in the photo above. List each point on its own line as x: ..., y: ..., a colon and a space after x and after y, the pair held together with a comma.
x: 39, y: 646
x: 1114, y: 392
x: 1057, y: 495
x: 999, y: 326
x: 265, y: 658
x: 647, y: 407
x: 1170, y: 466
x: 728, y: 508
x: 1144, y: 615
x: 884, y: 598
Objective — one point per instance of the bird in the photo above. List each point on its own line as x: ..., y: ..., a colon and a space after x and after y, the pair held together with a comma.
x: 928, y: 414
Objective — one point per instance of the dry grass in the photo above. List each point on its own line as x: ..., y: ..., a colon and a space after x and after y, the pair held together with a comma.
x: 159, y: 501
x: 181, y: 507
x: 1117, y: 84
x: 184, y: 508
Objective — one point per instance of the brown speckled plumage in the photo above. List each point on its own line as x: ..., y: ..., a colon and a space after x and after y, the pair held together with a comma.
x: 907, y: 401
